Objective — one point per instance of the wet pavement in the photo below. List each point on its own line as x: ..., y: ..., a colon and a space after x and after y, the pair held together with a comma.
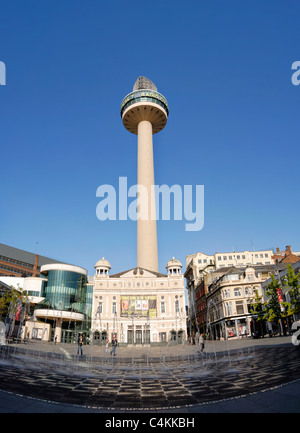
x: 237, y: 376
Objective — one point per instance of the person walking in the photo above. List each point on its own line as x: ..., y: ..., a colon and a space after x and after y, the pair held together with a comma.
x: 114, y: 345
x: 80, y: 343
x: 201, y: 342
x: 107, y: 345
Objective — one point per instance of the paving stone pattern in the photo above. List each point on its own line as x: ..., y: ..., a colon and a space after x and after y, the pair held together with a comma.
x: 179, y: 382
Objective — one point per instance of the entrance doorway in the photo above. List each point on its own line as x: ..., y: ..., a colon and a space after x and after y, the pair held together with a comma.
x: 130, y: 337
x: 138, y: 336
x: 146, y: 336
x: 180, y: 337
x: 173, y: 336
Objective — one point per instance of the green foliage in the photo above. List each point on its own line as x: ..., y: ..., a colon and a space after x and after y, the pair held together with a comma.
x: 12, y: 295
x: 274, y: 309
x: 257, y: 307
x: 292, y: 280
x: 272, y: 306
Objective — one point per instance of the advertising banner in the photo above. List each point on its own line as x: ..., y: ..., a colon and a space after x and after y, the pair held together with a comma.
x: 138, y: 305
x: 280, y: 298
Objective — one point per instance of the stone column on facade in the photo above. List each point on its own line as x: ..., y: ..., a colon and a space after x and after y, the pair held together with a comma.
x: 58, y: 330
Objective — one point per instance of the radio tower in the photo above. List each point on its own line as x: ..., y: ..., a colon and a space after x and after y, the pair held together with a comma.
x: 144, y: 112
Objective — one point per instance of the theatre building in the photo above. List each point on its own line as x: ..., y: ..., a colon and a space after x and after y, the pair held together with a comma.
x: 139, y: 306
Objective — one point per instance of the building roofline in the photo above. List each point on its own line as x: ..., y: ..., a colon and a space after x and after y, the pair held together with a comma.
x: 118, y: 275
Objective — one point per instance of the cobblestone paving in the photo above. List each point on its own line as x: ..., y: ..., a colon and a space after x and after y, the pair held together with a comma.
x: 174, y: 383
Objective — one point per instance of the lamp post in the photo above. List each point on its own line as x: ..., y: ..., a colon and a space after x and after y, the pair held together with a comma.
x: 132, y: 318
x: 147, y: 340
x: 98, y: 314
x: 280, y: 298
x: 115, y: 323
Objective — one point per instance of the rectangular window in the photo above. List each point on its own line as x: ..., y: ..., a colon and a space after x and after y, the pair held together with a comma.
x: 238, y: 257
x: 239, y: 307
x: 228, y: 309
x: 162, y: 307
x: 230, y: 257
x: 237, y: 292
x: 114, y: 307
x: 224, y: 258
x: 231, y: 277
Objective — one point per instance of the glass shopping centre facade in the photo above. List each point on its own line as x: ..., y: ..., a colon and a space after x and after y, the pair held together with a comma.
x: 67, y: 303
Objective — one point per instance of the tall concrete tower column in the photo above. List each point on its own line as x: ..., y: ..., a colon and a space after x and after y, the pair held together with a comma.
x: 147, y: 255
x: 144, y: 112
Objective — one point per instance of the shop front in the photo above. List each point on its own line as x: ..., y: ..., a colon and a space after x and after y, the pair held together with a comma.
x: 237, y: 327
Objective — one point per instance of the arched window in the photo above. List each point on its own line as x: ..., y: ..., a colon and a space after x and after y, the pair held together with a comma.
x: 248, y: 291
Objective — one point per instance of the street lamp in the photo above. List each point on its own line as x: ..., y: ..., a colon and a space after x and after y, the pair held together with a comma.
x: 132, y: 318
x: 147, y: 340
x: 115, y: 323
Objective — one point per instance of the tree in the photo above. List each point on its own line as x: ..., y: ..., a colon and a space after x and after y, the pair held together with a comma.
x: 257, y: 310
x: 11, y: 296
x: 276, y: 309
x: 292, y: 280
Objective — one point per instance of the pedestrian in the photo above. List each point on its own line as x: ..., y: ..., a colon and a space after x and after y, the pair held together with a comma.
x: 80, y: 343
x: 55, y: 339
x: 201, y: 342
x: 107, y: 345
x: 114, y: 344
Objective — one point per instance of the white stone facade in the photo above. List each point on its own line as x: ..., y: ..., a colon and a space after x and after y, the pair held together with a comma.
x: 138, y: 305
x: 229, y: 299
x: 236, y: 258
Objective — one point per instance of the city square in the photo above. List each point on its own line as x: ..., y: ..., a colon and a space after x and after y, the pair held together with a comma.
x: 149, y: 254
x: 178, y: 379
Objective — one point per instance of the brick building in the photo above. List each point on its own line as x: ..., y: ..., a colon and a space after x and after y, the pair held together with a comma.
x: 19, y: 263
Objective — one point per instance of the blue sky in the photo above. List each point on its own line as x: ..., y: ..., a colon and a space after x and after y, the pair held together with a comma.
x: 225, y: 69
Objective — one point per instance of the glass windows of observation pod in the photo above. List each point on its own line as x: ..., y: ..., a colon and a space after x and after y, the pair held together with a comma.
x: 144, y: 95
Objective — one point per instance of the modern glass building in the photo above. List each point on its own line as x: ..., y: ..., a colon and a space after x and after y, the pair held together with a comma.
x: 65, y: 289
x: 67, y: 305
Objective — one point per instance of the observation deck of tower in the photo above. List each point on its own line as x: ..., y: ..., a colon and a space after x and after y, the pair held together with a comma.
x: 144, y: 112
x: 144, y: 103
